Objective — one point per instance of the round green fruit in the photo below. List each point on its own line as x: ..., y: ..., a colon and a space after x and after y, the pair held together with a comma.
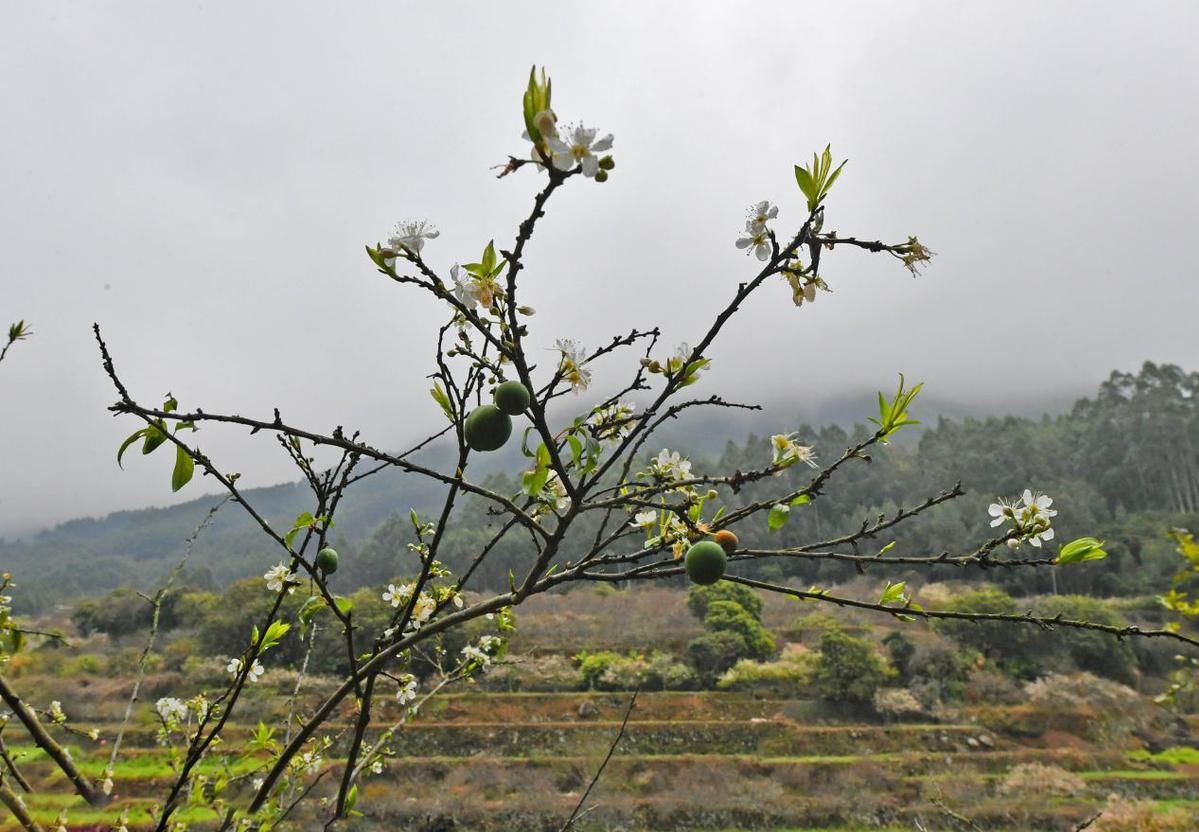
x: 487, y: 428
x: 705, y: 562
x: 326, y: 560
x: 512, y: 397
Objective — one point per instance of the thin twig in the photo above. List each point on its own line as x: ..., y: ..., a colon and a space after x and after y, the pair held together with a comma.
x: 599, y: 772
x: 157, y: 601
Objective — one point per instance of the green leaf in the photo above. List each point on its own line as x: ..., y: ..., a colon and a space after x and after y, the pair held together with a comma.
x: 351, y: 799
x: 311, y: 607
x: 829, y: 184
x: 804, y: 180
x: 155, y: 436
x: 185, y: 466
x: 779, y: 514
x: 801, y: 500
x: 1080, y: 550
x: 344, y: 605
x: 576, y: 448
x: 489, y: 257
x: 125, y: 445
x: 439, y: 396
x: 886, y: 548
x: 274, y: 633
x: 303, y: 521
x: 892, y: 593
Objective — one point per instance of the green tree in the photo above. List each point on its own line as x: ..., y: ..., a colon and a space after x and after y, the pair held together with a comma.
x: 850, y: 669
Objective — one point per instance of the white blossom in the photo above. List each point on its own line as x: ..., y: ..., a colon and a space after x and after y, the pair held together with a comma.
x: 411, y: 235
x: 645, y: 519
x: 56, y: 713
x: 755, y: 238
x: 407, y: 691
x: 612, y: 422
x: 396, y: 595
x: 787, y: 451
x: 310, y: 762
x: 1001, y: 512
x: 579, y: 148
x: 1030, y: 517
x: 280, y: 576
x: 670, y: 465
x: 377, y: 767
x: 761, y: 213
x: 171, y: 709
x: 555, y: 492
x: 256, y: 669
x: 571, y: 364
x: 465, y: 289
x: 423, y: 609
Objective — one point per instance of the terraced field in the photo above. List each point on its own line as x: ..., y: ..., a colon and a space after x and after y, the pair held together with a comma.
x: 697, y: 761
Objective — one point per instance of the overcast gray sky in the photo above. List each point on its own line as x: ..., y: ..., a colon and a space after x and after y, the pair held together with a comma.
x: 200, y: 178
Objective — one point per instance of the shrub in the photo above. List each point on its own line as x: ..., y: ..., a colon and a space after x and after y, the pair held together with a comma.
x: 548, y: 673
x: 1088, y: 650
x: 896, y: 703
x: 612, y: 671
x: 789, y: 676
x: 712, y: 654
x: 900, y: 649
x: 1071, y: 690
x: 850, y: 668
x: 593, y: 665
x: 728, y: 616
x: 1123, y: 815
x: 700, y: 597
x: 1042, y: 780
x: 1014, y: 648
x: 993, y: 688
x: 941, y: 674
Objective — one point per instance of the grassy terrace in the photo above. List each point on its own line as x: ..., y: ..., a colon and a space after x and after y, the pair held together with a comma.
x: 508, y: 761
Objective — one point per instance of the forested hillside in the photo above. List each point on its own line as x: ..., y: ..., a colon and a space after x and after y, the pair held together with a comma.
x: 1123, y: 464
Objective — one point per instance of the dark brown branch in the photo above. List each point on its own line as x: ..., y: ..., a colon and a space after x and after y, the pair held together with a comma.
x: 18, y: 808
x: 47, y: 743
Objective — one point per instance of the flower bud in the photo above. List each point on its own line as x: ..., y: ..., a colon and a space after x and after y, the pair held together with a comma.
x: 601, y: 175
x: 607, y: 163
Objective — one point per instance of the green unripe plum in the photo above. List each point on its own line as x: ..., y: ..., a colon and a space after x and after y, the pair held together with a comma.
x: 326, y: 560
x: 487, y: 428
x: 512, y: 397
x: 705, y: 562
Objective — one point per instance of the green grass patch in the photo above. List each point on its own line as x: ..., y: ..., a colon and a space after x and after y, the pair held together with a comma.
x: 1132, y: 774
x: 1176, y: 756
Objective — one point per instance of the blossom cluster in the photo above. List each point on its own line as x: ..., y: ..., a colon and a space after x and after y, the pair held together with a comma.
x: 171, y: 711
x: 669, y: 465
x: 787, y: 452
x: 571, y: 364
x: 280, y: 576
x: 1030, y: 516
x: 757, y: 237
x: 256, y: 669
x: 481, y: 654
x: 612, y: 422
